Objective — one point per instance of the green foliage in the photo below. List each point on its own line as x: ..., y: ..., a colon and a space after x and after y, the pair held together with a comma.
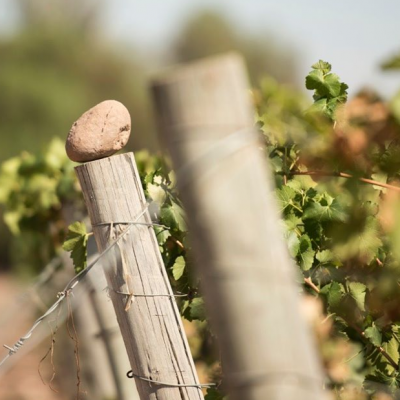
x: 194, y: 310
x: 33, y: 190
x: 374, y: 335
x: 52, y: 70
x: 173, y: 216
x: 329, y: 92
x: 76, y: 243
x: 159, y: 186
x: 333, y: 225
x: 178, y: 268
x: 393, y: 63
x: 213, y: 394
x: 209, y: 33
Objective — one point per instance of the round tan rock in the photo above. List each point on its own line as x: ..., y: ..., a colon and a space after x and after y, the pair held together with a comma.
x: 99, y: 132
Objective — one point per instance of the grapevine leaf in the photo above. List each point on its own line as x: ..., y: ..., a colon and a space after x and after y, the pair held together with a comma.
x: 293, y: 243
x: 157, y: 193
x: 335, y: 296
x: 76, y: 243
x: 324, y: 256
x: 285, y: 197
x: 320, y: 106
x: 276, y: 163
x: 213, y: 394
x: 379, y: 177
x: 290, y: 225
x: 377, y: 380
x: 333, y: 85
x: 326, y: 212
x: 178, y: 268
x: 392, y: 349
x: 315, y: 80
x: 364, y: 244
x: 195, y: 310
x: 173, y: 217
x: 380, y: 362
x: 324, y: 66
x: 325, y: 85
x: 291, y: 222
x: 374, y: 335
x: 329, y: 92
x: 357, y: 292
x: 162, y: 234
x: 306, y: 253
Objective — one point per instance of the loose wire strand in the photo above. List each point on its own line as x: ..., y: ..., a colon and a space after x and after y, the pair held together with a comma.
x: 68, y: 289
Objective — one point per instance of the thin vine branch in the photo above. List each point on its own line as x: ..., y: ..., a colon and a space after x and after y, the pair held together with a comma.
x: 346, y: 175
x: 311, y: 284
x: 381, y: 350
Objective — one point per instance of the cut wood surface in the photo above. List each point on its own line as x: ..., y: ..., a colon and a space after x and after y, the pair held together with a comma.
x: 151, y: 328
x: 206, y: 121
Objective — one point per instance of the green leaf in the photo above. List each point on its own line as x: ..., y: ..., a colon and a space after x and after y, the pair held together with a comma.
x: 315, y: 80
x: 364, y: 244
x: 291, y: 222
x: 324, y: 66
x: 162, y: 234
x: 329, y: 92
x: 276, y: 163
x: 213, y: 394
x: 157, y: 193
x: 306, y: 253
x: 302, y: 182
x: 75, y: 232
x: 195, y: 310
x: 327, y: 212
x: 319, y: 107
x: 293, y: 243
x: 357, y: 291
x: 173, y: 217
x: 178, y: 268
x: 392, y: 349
x: 285, y: 197
x: 335, y: 296
x: 324, y: 256
x: 379, y: 381
x: 374, y: 335
x: 325, y: 85
x: 76, y: 243
x: 380, y: 177
x: 332, y: 85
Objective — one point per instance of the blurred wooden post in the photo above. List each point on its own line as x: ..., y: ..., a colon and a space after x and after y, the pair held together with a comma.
x: 206, y: 120
x: 151, y: 328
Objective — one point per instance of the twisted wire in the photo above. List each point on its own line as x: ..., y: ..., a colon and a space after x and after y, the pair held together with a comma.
x: 67, y: 290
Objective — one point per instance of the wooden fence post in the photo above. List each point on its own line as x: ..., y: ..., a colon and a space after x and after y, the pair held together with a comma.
x: 151, y: 326
x: 206, y: 120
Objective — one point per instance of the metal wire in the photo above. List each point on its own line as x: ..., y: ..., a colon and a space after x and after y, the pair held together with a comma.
x: 67, y: 290
x: 130, y: 375
x: 24, y: 297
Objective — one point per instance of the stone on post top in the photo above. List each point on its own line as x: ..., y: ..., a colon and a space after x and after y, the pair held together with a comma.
x: 99, y: 132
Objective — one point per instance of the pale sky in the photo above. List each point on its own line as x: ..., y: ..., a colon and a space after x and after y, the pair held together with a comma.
x: 355, y: 36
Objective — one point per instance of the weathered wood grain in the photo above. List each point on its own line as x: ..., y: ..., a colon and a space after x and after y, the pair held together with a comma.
x: 206, y: 121
x: 152, y: 329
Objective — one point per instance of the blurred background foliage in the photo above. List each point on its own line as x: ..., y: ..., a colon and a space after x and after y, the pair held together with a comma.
x: 58, y: 64
x: 209, y: 33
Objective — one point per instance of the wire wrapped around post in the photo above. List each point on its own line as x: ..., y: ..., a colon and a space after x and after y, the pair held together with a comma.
x: 150, y: 324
